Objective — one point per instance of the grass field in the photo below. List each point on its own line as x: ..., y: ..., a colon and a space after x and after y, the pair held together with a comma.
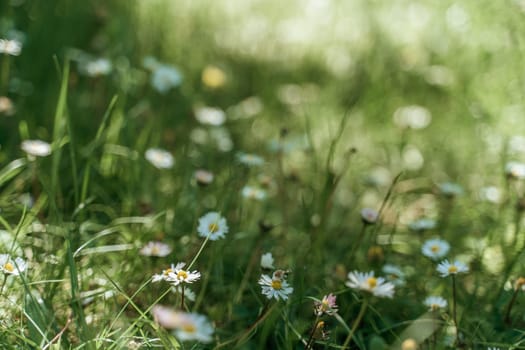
x: 316, y: 174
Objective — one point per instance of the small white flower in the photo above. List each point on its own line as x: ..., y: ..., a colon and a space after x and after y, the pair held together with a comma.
x: 491, y: 194
x: 275, y: 286
x: 435, y: 248
x: 178, y: 275
x: 414, y: 117
x: 155, y: 249
x: 367, y: 282
x: 445, y: 268
x: 267, y: 261
x: 394, y: 274
x: 10, y: 267
x: 6, y: 106
x: 450, y: 189
x: 98, y: 67
x: 160, y: 158
x: 187, y: 326
x: 435, y: 303
x: 203, y: 177
x: 251, y: 192
x: 369, y: 215
x: 212, y: 225
x: 163, y: 276
x: 37, y: 148
x: 165, y: 77
x: 422, y: 224
x: 515, y: 170
x: 10, y: 47
x: 210, y: 116
x: 250, y: 159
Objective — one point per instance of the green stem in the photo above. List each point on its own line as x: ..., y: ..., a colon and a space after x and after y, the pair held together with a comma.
x: 356, y: 324
x: 199, y: 252
x: 311, y: 337
x: 509, y: 307
x: 454, y: 308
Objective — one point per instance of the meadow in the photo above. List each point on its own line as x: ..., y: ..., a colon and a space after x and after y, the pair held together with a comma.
x: 315, y: 174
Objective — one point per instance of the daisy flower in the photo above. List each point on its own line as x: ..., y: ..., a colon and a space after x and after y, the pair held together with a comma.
x: 37, y: 148
x: 98, y: 67
x: 267, y: 261
x: 250, y: 159
x: 422, y: 224
x: 178, y: 275
x: 210, y: 116
x: 326, y: 306
x: 10, y: 267
x: 163, y: 276
x: 394, y: 274
x: 155, y: 249
x: 212, y: 225
x: 413, y: 117
x: 187, y: 326
x: 251, y: 192
x: 165, y: 77
x: 369, y: 215
x: 367, y: 282
x: 445, y: 268
x: 161, y: 159
x: 275, y: 286
x: 10, y: 47
x: 435, y: 303
x: 435, y: 248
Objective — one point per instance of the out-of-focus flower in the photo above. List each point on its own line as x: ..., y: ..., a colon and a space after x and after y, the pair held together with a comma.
x: 409, y: 344
x: 212, y: 225
x: 10, y: 47
x: 247, y: 108
x: 160, y: 158
x: 210, y: 115
x: 6, y: 106
x: 155, y: 249
x: 394, y: 274
x: 251, y: 192
x: 449, y: 189
x: 37, y: 148
x: 164, y: 77
x: 435, y: 248
x: 368, y: 283
x: 213, y: 77
x: 515, y: 170
x: 10, y: 267
x: 97, y: 67
x: 250, y: 159
x: 203, y: 177
x: 267, y: 261
x: 276, y: 286
x: 422, y: 224
x: 187, y: 326
x: 490, y: 194
x: 520, y: 283
x: 413, y: 117
x: 369, y: 216
x: 326, y: 306
x: 435, y: 303
x: 445, y: 268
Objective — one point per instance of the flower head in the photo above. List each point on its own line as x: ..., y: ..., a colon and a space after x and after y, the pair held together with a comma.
x: 155, y: 249
x: 435, y: 248
x: 178, y: 275
x: 213, y: 77
x: 10, y: 267
x: 515, y: 170
x: 326, y: 306
x: 435, y: 303
x: 98, y: 67
x: 275, y: 286
x: 10, y: 47
x: 203, y: 177
x: 367, y: 282
x: 445, y: 268
x: 210, y: 116
x: 163, y: 276
x: 165, y: 77
x: 394, y: 274
x: 37, y: 148
x: 449, y: 189
x: 413, y: 117
x: 251, y: 192
x: 250, y: 159
x: 6, y: 106
x: 187, y: 326
x: 422, y: 224
x: 267, y: 261
x: 161, y: 159
x: 369, y: 216
x: 212, y: 225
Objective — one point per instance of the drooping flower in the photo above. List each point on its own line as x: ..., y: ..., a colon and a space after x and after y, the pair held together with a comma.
x: 212, y: 225
x: 367, y: 282
x: 276, y: 286
x: 445, y: 268
x: 267, y: 261
x: 10, y: 267
x: 36, y: 148
x: 435, y: 303
x: 179, y: 275
x: 326, y: 306
x: 10, y: 47
x: 155, y: 249
x: 251, y: 192
x: 159, y: 158
x: 435, y: 248
x: 369, y: 216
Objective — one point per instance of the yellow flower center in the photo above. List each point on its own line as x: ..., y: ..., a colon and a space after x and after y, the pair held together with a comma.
x: 167, y: 271
x: 155, y: 250
x: 213, y: 227
x: 277, y: 284
x: 434, y: 307
x: 189, y: 328
x: 182, y: 275
x: 434, y: 248
x: 372, y: 282
x: 9, y: 267
x: 452, y: 269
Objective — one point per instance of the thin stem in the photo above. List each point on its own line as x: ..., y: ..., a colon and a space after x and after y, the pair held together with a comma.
x: 199, y: 252
x: 3, y: 284
x: 311, y: 337
x: 454, y: 308
x: 509, y: 307
x: 182, y: 296
x: 356, y: 323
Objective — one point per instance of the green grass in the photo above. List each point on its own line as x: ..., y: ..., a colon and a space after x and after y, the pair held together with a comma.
x: 314, y: 91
